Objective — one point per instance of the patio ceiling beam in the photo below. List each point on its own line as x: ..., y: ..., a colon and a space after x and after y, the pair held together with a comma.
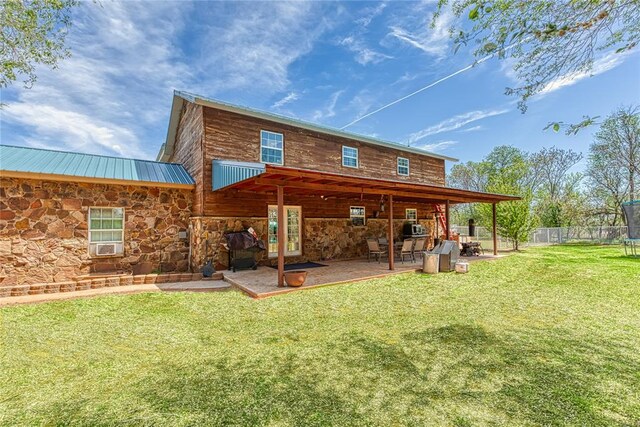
x: 367, y: 190
x: 371, y: 182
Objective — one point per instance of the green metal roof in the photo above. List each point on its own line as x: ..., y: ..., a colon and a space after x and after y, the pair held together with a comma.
x: 50, y: 162
x: 180, y: 96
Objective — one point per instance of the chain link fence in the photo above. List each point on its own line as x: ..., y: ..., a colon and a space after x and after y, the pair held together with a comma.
x: 548, y: 236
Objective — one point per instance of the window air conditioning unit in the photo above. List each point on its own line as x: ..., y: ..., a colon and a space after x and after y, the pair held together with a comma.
x: 105, y: 249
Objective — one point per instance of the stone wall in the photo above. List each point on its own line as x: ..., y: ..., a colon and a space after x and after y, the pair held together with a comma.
x: 44, y: 229
x: 323, y: 238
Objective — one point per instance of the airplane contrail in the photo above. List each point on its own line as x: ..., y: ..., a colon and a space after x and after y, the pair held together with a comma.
x: 430, y: 85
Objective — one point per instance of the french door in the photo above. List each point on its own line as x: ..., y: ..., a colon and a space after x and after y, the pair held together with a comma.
x: 292, y: 230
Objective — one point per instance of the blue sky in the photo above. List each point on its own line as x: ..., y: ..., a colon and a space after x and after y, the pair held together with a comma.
x: 325, y: 62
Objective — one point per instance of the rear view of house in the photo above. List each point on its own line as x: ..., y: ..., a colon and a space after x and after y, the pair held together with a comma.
x: 309, y: 192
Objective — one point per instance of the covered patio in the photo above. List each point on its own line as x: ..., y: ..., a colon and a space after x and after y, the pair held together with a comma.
x: 281, y: 181
x: 261, y: 283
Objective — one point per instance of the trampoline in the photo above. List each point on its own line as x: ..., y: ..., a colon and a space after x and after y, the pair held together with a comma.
x: 632, y: 214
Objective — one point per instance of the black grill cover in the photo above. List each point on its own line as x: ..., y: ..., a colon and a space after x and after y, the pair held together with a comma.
x: 243, y: 240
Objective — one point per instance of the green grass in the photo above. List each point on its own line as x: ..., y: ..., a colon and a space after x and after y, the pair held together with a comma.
x: 549, y: 336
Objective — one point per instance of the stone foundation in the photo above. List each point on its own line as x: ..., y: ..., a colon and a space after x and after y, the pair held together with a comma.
x: 322, y: 238
x: 44, y: 229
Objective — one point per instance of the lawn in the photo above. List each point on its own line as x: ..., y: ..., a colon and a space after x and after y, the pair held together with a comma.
x: 549, y: 336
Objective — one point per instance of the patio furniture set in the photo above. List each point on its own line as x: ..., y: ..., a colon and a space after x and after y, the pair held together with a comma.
x: 410, y: 248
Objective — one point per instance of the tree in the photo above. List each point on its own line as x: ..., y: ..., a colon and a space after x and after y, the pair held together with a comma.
x: 546, y: 39
x: 510, y: 172
x: 33, y: 32
x: 557, y: 193
x: 515, y: 220
x: 607, y: 185
x: 619, y: 140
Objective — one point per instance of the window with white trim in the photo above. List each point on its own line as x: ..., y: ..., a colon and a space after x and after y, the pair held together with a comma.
x: 403, y: 166
x: 271, y: 147
x: 106, y: 231
x: 356, y: 213
x: 411, y: 215
x: 349, y: 157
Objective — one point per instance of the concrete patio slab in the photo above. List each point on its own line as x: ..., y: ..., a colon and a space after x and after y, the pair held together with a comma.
x: 262, y: 283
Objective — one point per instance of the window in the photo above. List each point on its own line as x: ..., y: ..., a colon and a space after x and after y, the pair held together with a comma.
x: 403, y: 166
x: 349, y: 157
x: 292, y: 231
x: 357, y: 215
x: 411, y: 215
x: 106, y: 231
x: 271, y: 147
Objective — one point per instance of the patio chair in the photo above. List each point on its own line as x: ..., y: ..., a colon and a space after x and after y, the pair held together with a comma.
x: 407, y: 250
x: 418, y: 247
x: 375, y: 250
x: 383, y: 241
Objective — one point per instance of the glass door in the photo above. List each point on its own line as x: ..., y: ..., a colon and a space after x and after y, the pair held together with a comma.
x: 292, y: 231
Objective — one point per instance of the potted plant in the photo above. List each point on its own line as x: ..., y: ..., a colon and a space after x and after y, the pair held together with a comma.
x: 295, y: 278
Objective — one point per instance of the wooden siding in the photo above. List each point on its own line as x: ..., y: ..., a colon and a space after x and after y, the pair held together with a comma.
x: 189, y: 151
x: 231, y: 136
x: 245, y: 204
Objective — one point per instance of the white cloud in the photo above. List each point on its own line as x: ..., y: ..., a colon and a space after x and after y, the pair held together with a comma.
x: 454, y: 123
x: 370, y: 14
x: 363, y: 54
x: 433, y: 41
x: 76, y: 131
x: 472, y: 129
x: 289, y: 98
x: 601, y: 65
x: 113, y: 95
x: 254, y: 48
x: 104, y: 98
x: 436, y: 146
x: 330, y: 109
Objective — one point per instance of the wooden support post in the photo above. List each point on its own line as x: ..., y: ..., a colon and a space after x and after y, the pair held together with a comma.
x: 391, y: 232
x: 281, y: 236
x: 495, y: 231
x: 447, y: 222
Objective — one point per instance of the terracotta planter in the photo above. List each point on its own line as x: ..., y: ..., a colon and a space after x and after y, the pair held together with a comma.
x: 174, y: 277
x: 20, y: 290
x: 163, y: 278
x: 126, y: 280
x: 295, y: 278
x: 196, y: 276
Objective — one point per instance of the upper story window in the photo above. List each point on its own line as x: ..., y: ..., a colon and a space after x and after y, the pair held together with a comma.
x: 271, y: 147
x: 349, y: 157
x: 403, y: 166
